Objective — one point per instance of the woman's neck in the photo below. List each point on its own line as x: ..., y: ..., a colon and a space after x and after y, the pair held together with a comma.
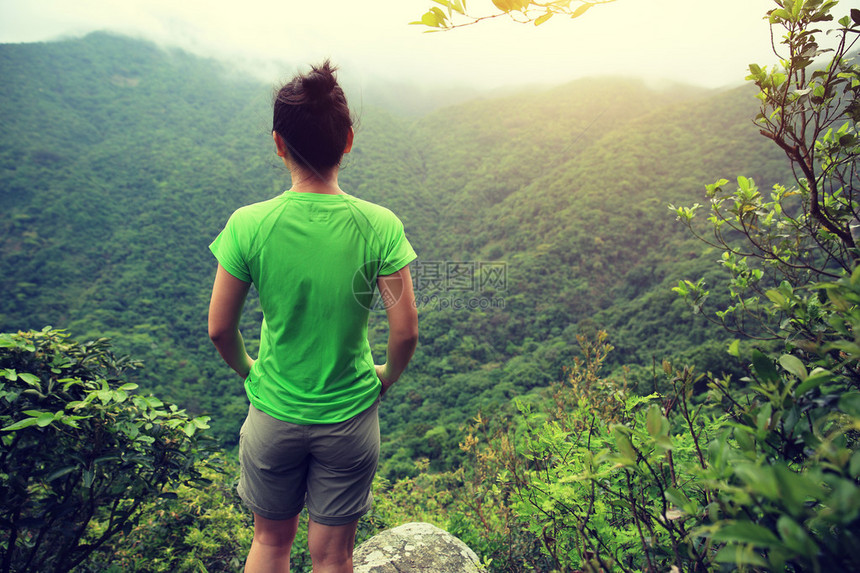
x: 308, y: 182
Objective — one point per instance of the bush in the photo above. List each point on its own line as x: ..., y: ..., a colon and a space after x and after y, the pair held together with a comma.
x: 80, y: 454
x: 200, y: 529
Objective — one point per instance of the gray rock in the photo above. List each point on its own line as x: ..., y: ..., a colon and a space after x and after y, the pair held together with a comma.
x: 415, y: 548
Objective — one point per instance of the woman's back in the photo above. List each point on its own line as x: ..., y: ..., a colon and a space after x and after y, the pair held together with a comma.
x: 314, y: 259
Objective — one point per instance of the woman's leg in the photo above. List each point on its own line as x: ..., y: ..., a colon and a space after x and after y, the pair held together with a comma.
x: 273, y: 541
x: 331, y: 546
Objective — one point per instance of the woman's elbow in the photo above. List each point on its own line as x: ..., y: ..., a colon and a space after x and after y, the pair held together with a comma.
x: 218, y: 332
x: 407, y: 334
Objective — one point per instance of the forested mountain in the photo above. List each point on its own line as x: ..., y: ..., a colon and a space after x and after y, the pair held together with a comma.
x: 536, y: 216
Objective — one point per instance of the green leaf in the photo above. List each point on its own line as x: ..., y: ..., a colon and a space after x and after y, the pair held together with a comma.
x: 761, y: 478
x: 777, y: 298
x: 654, y: 420
x: 764, y: 417
x: 795, y: 536
x: 25, y: 423
x: 30, y: 379
x: 778, y: 14
x: 816, y: 378
x: 854, y: 465
x: 764, y: 367
x: 855, y: 276
x: 89, y: 475
x: 61, y: 472
x: 680, y: 499
x: 625, y: 446
x: 746, y: 532
x: 794, y: 365
x: 850, y: 404
x: 735, y: 348
x: 740, y: 555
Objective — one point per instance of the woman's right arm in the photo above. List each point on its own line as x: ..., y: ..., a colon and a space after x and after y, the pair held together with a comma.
x: 399, y: 300
x: 225, y: 309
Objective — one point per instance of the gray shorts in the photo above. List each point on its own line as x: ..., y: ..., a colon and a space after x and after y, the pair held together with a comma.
x: 329, y: 467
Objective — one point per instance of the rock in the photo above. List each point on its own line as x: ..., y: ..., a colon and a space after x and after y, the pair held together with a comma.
x: 415, y: 547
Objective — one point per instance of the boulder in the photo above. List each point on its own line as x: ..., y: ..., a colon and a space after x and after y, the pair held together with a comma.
x: 415, y: 547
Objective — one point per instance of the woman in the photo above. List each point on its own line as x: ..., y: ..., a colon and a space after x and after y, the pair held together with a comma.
x: 314, y: 254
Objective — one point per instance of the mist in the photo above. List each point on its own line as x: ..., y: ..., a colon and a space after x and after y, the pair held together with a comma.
x: 661, y: 40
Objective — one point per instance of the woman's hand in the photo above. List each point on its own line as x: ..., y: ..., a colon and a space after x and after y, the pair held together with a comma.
x: 386, y: 382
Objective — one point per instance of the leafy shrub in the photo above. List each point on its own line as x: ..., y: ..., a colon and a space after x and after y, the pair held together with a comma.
x: 763, y: 471
x: 80, y: 455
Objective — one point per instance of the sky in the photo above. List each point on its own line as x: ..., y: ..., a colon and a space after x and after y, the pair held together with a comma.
x: 696, y: 42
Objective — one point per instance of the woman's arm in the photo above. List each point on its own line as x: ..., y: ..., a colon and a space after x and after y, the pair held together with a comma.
x: 225, y: 309
x: 399, y: 300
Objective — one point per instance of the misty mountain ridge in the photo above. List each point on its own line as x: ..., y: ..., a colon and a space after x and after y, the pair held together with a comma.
x: 120, y: 161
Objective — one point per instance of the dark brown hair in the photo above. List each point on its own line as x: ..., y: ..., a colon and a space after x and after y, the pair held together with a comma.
x: 312, y: 117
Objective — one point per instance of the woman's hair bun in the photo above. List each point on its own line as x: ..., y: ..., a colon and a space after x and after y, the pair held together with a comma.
x: 319, y: 85
x: 312, y: 116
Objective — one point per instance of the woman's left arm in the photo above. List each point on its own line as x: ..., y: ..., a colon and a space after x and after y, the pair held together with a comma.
x: 225, y: 309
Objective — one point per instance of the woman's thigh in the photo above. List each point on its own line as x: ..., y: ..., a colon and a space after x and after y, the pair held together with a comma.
x: 343, y: 461
x: 274, y: 460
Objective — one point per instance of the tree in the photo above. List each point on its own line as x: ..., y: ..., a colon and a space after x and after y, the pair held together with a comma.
x: 803, y: 232
x: 80, y: 455
x: 761, y: 472
x: 521, y: 11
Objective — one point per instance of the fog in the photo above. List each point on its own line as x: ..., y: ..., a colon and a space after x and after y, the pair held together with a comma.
x: 691, y: 41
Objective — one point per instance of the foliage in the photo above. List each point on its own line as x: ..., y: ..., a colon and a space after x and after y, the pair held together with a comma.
x: 763, y: 472
x: 80, y: 454
x: 803, y: 232
x: 209, y: 529
x: 586, y: 475
x: 194, y: 529
x: 521, y: 11
x: 786, y: 467
x: 784, y: 472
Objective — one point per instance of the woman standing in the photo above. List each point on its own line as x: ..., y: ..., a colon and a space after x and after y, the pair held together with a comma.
x: 315, y: 255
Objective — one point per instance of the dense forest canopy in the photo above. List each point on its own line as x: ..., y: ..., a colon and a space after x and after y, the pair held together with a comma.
x: 572, y: 406
x: 537, y: 216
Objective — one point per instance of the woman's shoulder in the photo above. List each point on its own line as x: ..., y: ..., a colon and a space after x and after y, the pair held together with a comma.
x: 257, y: 211
x: 373, y: 211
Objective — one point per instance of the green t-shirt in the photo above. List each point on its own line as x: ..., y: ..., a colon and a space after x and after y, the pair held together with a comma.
x: 314, y: 260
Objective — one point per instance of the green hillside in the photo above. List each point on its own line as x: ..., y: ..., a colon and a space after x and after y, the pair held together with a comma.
x: 565, y: 411
x: 121, y: 161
